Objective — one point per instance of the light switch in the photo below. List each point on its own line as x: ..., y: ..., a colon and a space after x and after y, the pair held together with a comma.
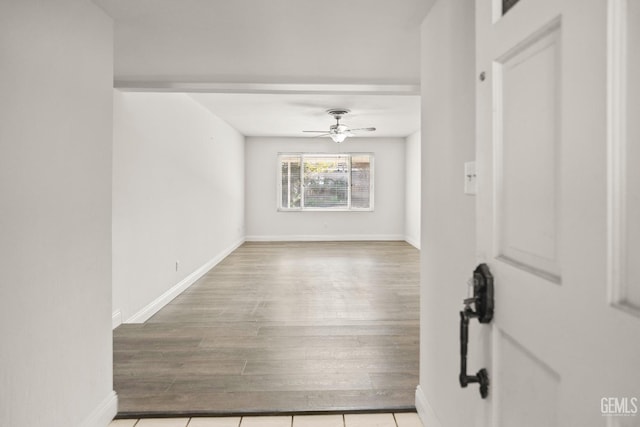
x: 470, y: 178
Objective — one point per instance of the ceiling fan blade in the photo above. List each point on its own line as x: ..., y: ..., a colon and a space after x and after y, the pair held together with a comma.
x: 363, y: 129
x: 315, y: 131
x: 324, y: 134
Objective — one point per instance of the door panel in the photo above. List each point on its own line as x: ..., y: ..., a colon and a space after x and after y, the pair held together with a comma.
x: 527, y: 391
x: 633, y: 157
x: 625, y: 151
x: 527, y: 130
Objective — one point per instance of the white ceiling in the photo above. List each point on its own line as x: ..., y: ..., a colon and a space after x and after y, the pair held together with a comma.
x: 290, y: 114
x: 357, y: 54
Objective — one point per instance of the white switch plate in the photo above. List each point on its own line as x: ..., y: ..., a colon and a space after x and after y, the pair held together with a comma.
x: 470, y: 178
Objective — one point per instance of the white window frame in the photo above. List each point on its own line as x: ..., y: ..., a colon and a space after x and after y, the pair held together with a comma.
x: 348, y: 208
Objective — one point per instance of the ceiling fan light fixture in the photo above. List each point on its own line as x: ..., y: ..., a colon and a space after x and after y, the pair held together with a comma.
x: 338, y: 137
x: 339, y: 132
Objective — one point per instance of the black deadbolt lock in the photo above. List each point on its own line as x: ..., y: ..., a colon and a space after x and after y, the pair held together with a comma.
x: 482, y: 301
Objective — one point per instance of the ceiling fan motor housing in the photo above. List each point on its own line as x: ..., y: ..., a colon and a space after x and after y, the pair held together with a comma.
x: 337, y: 113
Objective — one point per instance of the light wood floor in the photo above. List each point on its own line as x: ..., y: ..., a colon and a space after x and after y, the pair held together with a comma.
x: 280, y: 327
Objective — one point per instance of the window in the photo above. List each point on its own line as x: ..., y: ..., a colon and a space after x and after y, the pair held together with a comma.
x: 325, y: 182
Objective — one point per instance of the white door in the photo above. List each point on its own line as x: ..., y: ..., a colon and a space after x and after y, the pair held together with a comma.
x: 558, y: 210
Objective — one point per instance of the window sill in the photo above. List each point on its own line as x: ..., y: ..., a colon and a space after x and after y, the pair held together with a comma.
x: 325, y: 210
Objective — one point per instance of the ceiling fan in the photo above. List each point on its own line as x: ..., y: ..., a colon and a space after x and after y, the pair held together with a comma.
x: 339, y: 132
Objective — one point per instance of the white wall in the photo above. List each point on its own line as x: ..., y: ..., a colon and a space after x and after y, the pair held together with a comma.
x: 264, y: 222
x: 178, y: 195
x: 55, y: 214
x: 412, y: 189
x: 448, y: 231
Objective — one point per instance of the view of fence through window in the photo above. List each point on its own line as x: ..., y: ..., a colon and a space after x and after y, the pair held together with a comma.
x: 326, y: 181
x: 361, y: 181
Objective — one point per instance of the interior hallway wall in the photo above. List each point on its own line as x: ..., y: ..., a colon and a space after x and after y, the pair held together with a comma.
x: 412, y: 189
x: 265, y: 222
x: 448, y: 215
x: 56, y: 79
x: 178, y: 196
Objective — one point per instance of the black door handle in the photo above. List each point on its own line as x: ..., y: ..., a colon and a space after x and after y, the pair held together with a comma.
x: 483, y: 302
x: 482, y: 376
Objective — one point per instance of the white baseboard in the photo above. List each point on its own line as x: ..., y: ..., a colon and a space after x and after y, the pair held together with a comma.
x: 116, y: 319
x: 413, y: 242
x: 164, y: 299
x: 102, y: 415
x: 325, y: 238
x: 425, y: 411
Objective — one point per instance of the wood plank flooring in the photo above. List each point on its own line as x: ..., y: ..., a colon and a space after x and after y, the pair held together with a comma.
x: 280, y: 327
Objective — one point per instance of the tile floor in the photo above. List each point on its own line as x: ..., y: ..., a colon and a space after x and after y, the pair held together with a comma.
x: 409, y: 419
